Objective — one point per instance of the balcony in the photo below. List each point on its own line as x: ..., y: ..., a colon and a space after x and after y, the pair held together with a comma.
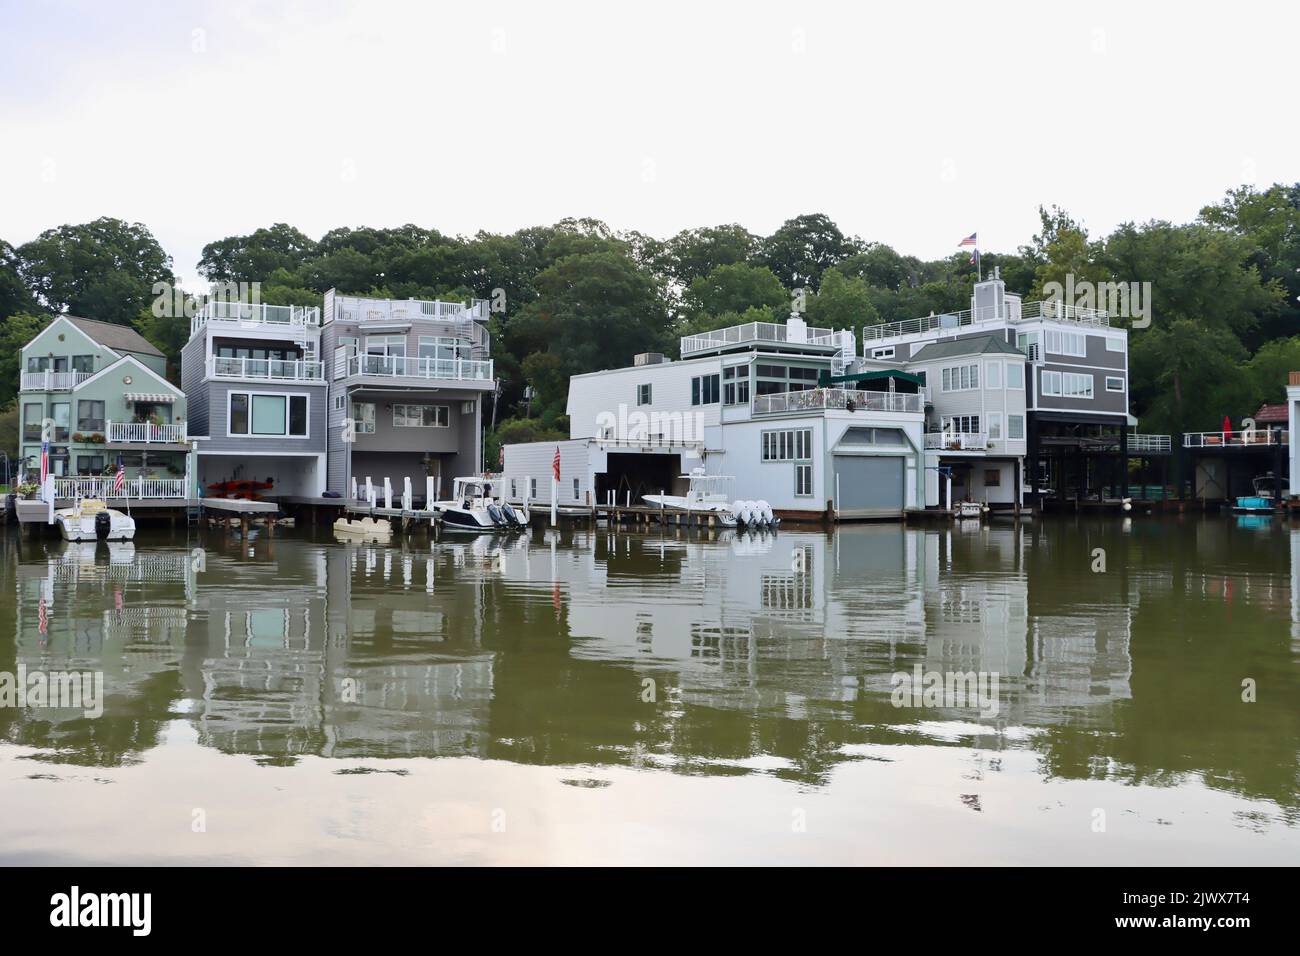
x: 249, y: 317
x: 52, y: 381
x: 1049, y: 310
x: 356, y: 309
x: 1242, y: 439
x: 104, y: 487
x: 143, y: 433
x: 411, y: 369
x: 758, y: 333
x: 847, y: 399
x: 266, y: 370
x: 956, y: 441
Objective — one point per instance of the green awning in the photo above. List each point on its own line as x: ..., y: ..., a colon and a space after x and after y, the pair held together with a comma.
x: 893, y: 373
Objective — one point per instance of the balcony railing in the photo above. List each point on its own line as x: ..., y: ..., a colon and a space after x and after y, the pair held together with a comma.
x: 957, y: 441
x: 1049, y: 309
x: 754, y: 332
x: 52, y: 381
x: 145, y: 433
x: 354, y: 309
x: 844, y: 398
x: 248, y: 316
x: 266, y: 370
x: 410, y: 367
x: 1149, y: 443
x: 1234, y: 439
x: 132, y: 488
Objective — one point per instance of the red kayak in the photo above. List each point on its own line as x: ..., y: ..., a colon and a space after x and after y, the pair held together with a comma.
x: 240, y: 489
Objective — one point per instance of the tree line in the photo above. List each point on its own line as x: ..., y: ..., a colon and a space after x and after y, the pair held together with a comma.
x: 580, y: 296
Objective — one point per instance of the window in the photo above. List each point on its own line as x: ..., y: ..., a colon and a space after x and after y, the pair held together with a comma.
x: 575, y: 489
x: 90, y: 465
x: 1016, y: 375
x: 1114, y: 345
x: 887, y: 352
x: 1075, y: 385
x: 386, y: 345
x: 961, y: 424
x: 1051, y: 383
x: 1066, y: 343
x: 993, y: 375
x: 793, y: 444
x: 1015, y: 427
x: 267, y: 415
x: 61, y: 412
x: 83, y: 363
x: 421, y: 416
x: 735, y: 385
x: 33, y: 413
x: 1114, y: 383
x: 995, y: 426
x: 513, y: 491
x: 340, y: 402
x: 90, y: 416
x: 38, y: 363
x: 803, y: 481
x: 704, y: 390
x: 1027, y: 342
x: 440, y: 347
x: 643, y: 394
x: 992, y: 477
x: 363, y: 417
x: 532, y: 489
x: 961, y: 378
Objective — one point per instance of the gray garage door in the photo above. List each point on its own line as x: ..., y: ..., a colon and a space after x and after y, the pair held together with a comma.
x: 869, y: 485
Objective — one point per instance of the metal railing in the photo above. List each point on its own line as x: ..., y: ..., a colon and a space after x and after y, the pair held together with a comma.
x: 754, y: 332
x: 397, y: 366
x: 354, y: 309
x: 957, y: 441
x: 248, y: 315
x: 52, y: 381
x: 132, y: 488
x: 844, y: 398
x: 1234, y: 439
x: 1151, y: 443
x: 144, y: 432
x: 1049, y: 309
x: 271, y: 370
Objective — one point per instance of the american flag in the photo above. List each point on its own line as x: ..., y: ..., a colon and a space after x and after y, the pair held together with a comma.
x: 968, y: 241
x: 119, y: 478
x: 555, y: 463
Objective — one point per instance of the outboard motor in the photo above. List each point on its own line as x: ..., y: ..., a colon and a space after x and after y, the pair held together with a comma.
x: 742, y: 515
x: 511, y: 518
x: 495, y: 514
x: 765, y: 512
x: 103, y: 525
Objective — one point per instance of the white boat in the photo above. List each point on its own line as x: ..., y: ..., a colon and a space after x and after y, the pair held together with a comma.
x: 705, y: 496
x: 472, y: 508
x: 365, y: 529
x: 971, y: 509
x: 91, y: 519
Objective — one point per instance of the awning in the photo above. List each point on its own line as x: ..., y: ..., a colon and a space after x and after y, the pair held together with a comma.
x: 893, y: 373
x: 156, y: 398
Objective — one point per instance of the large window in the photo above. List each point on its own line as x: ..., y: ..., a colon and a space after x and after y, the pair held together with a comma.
x: 90, y: 465
x: 1016, y: 375
x: 1015, y: 427
x: 61, y: 412
x: 993, y: 375
x: 1075, y: 385
x: 961, y: 378
x: 90, y: 416
x: 1067, y: 343
x: 268, y: 415
x: 363, y: 416
x: 440, y: 347
x: 421, y: 416
x: 965, y: 424
x: 794, y: 444
x: 704, y: 390
x: 386, y: 345
x: 83, y: 363
x: 779, y: 378
x: 995, y: 426
x: 803, y: 485
x: 735, y: 385
x: 33, y: 415
x: 1051, y: 383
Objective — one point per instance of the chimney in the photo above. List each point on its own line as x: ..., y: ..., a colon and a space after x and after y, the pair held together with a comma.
x: 796, y: 329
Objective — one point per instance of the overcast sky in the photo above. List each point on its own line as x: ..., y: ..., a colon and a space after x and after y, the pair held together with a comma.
x: 909, y: 123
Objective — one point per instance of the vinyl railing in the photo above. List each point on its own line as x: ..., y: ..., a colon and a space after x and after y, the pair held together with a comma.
x: 104, y: 487
x: 957, y: 441
x: 270, y: 370
x: 1234, y: 439
x: 841, y: 398
x: 753, y: 332
x: 410, y: 367
x: 144, y: 432
x: 52, y: 381
x: 1152, y: 443
x: 1049, y: 309
x: 244, y: 314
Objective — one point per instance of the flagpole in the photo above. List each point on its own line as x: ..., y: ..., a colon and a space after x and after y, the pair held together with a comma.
x: 979, y: 269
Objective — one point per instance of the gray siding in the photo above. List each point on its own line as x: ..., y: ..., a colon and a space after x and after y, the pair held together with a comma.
x: 216, y: 395
x: 196, y: 393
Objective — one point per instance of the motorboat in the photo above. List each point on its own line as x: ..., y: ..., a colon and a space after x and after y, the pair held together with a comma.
x: 1264, y: 500
x: 472, y: 508
x: 91, y: 519
x: 970, y: 509
x: 705, y: 496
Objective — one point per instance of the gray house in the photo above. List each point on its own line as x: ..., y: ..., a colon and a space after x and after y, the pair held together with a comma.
x: 257, y: 398
x: 406, y: 386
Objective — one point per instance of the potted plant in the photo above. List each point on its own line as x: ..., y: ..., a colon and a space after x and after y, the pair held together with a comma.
x: 28, y: 490
x: 78, y: 437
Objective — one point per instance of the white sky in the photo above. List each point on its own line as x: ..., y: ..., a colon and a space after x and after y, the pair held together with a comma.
x: 909, y: 123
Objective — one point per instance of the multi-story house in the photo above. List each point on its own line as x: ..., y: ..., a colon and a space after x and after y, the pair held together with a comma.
x: 758, y: 402
x: 406, y: 382
x: 1076, y: 385
x: 257, y: 396
x: 102, y: 389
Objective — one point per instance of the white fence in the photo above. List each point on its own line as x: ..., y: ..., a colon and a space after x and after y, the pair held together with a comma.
x: 103, y: 487
x: 957, y: 441
x: 270, y: 370
x: 397, y: 366
x: 753, y: 332
x: 144, y: 433
x: 52, y: 381
x: 842, y: 398
x: 1233, y: 439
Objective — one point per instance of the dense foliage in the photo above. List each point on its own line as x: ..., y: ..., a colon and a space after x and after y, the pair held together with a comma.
x: 577, y: 296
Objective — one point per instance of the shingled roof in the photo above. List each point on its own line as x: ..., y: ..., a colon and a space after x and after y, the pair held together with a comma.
x: 119, y: 338
x: 975, y: 345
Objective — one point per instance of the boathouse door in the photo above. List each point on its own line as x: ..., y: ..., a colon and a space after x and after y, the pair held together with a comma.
x: 870, y: 485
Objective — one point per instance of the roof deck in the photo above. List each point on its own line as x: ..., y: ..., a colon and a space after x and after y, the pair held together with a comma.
x: 246, y: 316
x: 789, y: 336
x: 349, y: 308
x: 991, y: 316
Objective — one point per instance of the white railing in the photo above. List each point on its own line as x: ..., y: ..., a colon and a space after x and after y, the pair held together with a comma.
x: 957, y: 441
x: 396, y: 366
x: 270, y: 370
x: 132, y: 488
x: 354, y: 309
x: 52, y: 381
x: 1049, y: 309
x: 247, y: 315
x: 754, y: 332
x: 1233, y: 439
x: 845, y: 398
x: 144, y: 432
x: 1150, y: 443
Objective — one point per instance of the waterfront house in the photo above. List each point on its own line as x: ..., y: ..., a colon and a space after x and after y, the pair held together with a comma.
x: 758, y: 402
x: 410, y: 376
x: 257, y: 396
x: 103, y: 389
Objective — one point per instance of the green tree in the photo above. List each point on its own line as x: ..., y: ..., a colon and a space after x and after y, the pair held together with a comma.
x: 803, y: 248
x: 255, y: 257
x: 735, y: 288
x: 695, y: 253
x: 14, y: 294
x: 15, y: 332
x: 842, y: 303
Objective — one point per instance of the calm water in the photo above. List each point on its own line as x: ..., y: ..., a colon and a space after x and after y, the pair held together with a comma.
x: 616, y: 697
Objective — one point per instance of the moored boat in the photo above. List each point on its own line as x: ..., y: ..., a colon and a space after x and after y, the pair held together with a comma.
x: 91, y: 519
x: 704, y: 497
x: 471, y: 508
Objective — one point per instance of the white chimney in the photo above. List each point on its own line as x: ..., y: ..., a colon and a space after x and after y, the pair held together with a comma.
x: 796, y: 329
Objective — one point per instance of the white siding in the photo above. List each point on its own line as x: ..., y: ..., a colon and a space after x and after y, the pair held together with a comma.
x: 602, y: 393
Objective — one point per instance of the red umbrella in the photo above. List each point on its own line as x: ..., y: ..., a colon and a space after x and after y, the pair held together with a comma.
x: 1227, y: 427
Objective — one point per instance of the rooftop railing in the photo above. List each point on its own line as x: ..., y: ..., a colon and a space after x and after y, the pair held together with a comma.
x: 1234, y: 439
x: 754, y: 332
x: 1050, y: 310
x: 250, y: 316
x: 355, y: 309
x: 403, y: 367
x: 848, y: 399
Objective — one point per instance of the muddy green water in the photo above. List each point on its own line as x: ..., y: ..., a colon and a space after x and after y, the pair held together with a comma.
x: 598, y: 697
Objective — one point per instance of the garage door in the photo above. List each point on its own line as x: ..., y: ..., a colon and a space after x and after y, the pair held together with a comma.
x: 869, y: 485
